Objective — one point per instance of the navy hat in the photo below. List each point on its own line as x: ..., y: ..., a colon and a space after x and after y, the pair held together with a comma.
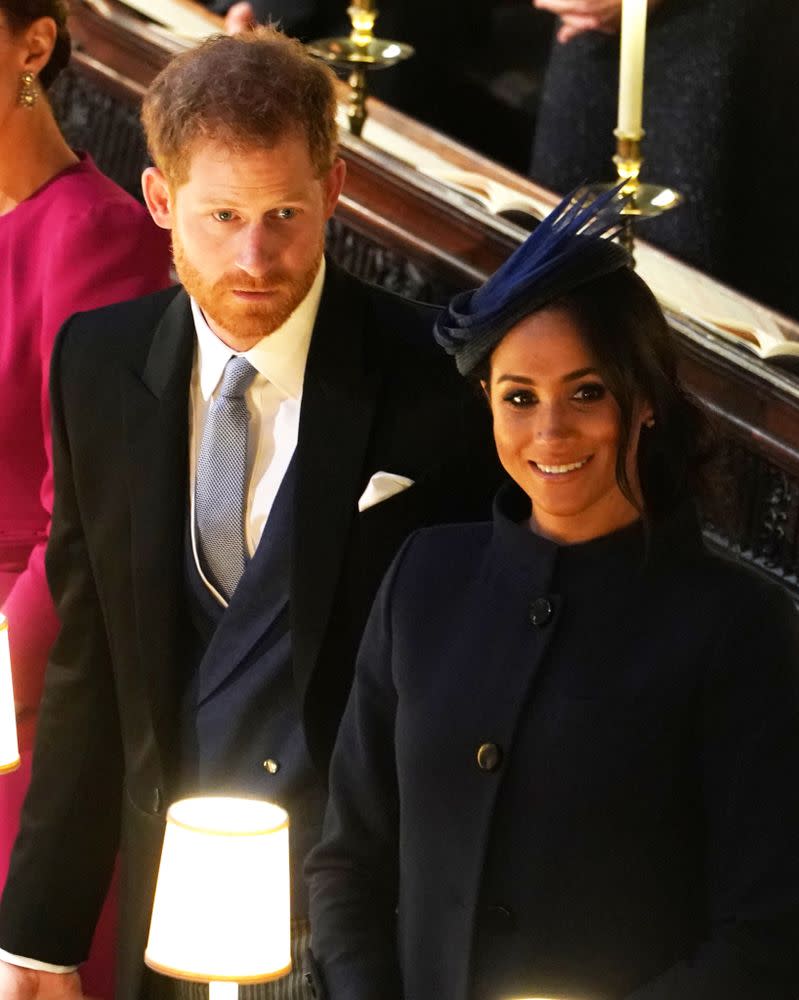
x: 570, y: 247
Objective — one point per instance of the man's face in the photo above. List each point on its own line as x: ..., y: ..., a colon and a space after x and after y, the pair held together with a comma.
x: 248, y: 232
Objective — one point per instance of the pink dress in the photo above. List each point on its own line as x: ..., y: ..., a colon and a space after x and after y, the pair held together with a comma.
x: 77, y: 243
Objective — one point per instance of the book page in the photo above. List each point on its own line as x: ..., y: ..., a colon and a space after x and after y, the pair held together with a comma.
x: 494, y: 196
x: 684, y: 290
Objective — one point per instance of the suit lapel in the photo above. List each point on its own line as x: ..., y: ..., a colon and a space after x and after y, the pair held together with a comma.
x: 339, y: 398
x: 156, y: 402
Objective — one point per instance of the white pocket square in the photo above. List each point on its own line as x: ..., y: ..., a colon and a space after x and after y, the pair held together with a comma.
x: 381, y: 486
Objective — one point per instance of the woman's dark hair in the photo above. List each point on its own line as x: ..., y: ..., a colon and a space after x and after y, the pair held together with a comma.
x: 22, y: 13
x: 625, y: 330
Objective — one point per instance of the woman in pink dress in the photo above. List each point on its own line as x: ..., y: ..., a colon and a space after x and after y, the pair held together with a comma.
x: 70, y: 240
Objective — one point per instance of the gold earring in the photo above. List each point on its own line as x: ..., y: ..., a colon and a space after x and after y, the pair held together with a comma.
x: 28, y: 94
x: 649, y: 422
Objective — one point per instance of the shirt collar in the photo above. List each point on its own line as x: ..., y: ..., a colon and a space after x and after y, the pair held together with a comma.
x: 279, y: 357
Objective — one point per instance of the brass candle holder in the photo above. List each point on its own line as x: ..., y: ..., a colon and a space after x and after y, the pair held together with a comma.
x: 645, y: 201
x: 358, y: 54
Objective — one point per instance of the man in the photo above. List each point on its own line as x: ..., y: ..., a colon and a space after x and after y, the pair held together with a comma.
x: 237, y: 462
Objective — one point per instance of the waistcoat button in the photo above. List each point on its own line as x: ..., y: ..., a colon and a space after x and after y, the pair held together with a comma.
x: 272, y: 766
x: 489, y: 756
x: 540, y: 611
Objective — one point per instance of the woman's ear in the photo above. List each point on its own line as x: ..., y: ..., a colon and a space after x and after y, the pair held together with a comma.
x: 39, y: 42
x: 647, y: 416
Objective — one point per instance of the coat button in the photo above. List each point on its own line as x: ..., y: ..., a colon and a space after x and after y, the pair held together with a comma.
x: 272, y: 766
x: 540, y: 611
x: 158, y: 800
x: 489, y: 756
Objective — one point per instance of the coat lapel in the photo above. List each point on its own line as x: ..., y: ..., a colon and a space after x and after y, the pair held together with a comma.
x: 156, y: 401
x: 339, y: 398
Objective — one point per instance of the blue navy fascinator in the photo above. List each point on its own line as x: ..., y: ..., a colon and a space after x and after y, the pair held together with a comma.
x: 570, y: 247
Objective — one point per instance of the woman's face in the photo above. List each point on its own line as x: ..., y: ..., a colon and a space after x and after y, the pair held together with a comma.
x: 557, y: 428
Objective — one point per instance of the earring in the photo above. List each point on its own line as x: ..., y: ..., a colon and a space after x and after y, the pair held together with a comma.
x: 28, y: 94
x: 649, y: 422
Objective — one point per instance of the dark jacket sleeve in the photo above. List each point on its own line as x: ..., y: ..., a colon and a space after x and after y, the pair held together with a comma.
x: 353, y: 872
x: 749, y: 736
x: 64, y: 855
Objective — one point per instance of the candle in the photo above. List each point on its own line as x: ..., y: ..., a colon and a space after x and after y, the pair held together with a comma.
x: 9, y: 750
x: 631, y: 69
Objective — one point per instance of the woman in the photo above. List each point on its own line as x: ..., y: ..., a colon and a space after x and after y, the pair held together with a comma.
x: 570, y: 760
x: 70, y: 240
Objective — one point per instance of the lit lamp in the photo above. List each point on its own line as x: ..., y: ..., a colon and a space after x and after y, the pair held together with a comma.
x: 221, y: 907
x: 9, y: 748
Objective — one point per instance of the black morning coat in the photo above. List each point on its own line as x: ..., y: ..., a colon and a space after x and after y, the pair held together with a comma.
x: 565, y: 771
x: 378, y: 395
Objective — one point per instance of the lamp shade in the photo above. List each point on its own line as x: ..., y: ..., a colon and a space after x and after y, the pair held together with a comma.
x: 9, y: 748
x: 221, y: 908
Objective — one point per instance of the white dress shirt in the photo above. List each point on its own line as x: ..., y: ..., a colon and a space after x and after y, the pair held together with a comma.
x: 273, y: 399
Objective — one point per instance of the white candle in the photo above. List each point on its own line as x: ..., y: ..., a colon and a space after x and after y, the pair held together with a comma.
x: 9, y: 750
x: 631, y: 69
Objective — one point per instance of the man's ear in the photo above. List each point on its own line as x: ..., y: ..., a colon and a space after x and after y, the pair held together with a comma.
x: 158, y: 197
x: 333, y: 185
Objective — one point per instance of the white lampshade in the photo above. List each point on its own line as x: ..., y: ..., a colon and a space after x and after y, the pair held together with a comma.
x: 221, y: 908
x: 9, y: 747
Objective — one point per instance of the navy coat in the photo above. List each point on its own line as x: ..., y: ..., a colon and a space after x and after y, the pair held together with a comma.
x: 565, y: 771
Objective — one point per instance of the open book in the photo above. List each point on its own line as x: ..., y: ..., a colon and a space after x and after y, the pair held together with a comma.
x: 498, y: 198
x: 736, y: 318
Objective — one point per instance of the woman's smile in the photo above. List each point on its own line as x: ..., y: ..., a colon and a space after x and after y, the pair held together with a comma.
x: 559, y: 468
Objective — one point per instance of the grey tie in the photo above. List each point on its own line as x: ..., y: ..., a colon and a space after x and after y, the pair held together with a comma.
x: 221, y: 482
